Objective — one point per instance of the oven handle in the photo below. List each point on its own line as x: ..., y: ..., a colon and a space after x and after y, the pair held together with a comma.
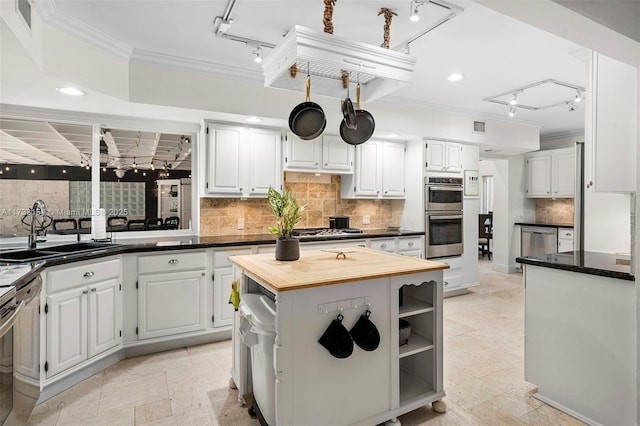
x: 445, y: 188
x: 9, y: 322
x: 444, y: 216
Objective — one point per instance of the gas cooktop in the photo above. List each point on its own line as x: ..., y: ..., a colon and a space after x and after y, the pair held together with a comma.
x: 324, y: 232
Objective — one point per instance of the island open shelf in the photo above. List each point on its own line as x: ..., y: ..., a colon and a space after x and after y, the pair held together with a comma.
x: 309, y: 294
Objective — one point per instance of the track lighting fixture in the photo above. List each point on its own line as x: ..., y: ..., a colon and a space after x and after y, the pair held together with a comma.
x: 514, y: 99
x: 512, y: 111
x: 572, y: 106
x: 578, y: 97
x: 258, y: 53
x: 134, y: 163
x: 415, y: 4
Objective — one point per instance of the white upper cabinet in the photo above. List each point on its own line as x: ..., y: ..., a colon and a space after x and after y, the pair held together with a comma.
x: 611, y: 127
x: 325, y: 154
x: 243, y: 161
x: 443, y: 156
x: 379, y: 171
x: 551, y: 173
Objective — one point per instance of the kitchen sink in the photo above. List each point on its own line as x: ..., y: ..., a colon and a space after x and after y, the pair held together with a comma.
x: 20, y: 256
x: 26, y: 255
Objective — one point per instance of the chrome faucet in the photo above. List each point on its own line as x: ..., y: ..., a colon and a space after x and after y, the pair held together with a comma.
x: 39, y: 207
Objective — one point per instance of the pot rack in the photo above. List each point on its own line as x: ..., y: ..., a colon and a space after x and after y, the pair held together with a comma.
x: 326, y: 56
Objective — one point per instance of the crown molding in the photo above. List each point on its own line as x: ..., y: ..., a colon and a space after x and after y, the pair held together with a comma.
x: 23, y: 112
x: 49, y: 13
x: 216, y: 68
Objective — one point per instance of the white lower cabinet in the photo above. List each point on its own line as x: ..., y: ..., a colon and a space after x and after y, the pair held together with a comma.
x: 406, y: 246
x: 172, y: 293
x: 223, y: 277
x: 82, y: 321
x: 453, y: 276
x: 171, y: 303
x: 565, y: 239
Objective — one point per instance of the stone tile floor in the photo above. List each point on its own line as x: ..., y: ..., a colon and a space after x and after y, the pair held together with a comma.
x: 483, y: 359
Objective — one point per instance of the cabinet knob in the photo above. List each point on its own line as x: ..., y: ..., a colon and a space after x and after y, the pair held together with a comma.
x: 590, y: 184
x: 88, y: 274
x: 253, y: 189
x: 85, y: 292
x: 384, y: 245
x: 386, y: 192
x: 326, y: 164
x: 173, y: 261
x: 446, y: 283
x: 316, y: 164
x: 377, y: 192
x: 94, y: 289
x: 410, y: 243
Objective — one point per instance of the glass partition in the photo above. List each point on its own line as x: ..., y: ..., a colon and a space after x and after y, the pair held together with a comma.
x: 145, y: 178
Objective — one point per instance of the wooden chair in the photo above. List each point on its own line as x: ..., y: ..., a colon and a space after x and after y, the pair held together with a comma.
x: 485, y: 233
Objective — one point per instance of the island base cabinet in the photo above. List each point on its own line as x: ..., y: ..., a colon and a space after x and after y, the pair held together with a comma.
x: 171, y: 303
x: 369, y: 387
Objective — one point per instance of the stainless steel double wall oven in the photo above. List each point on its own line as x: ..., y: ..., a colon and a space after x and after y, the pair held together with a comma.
x: 443, y: 216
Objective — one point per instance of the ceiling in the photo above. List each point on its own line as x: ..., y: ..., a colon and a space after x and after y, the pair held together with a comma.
x: 495, y: 53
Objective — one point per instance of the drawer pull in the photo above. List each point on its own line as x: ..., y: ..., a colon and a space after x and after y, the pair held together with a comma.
x: 88, y: 274
x: 174, y: 262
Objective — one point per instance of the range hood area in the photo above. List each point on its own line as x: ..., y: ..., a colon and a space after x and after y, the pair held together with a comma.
x: 325, y: 56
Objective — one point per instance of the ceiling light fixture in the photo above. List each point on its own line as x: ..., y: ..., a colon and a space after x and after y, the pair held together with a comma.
x: 512, y: 111
x: 134, y: 163
x: 71, y: 91
x: 455, y: 77
x: 572, y: 106
x: 258, y: 53
x: 514, y: 99
x: 578, y: 97
x: 415, y: 4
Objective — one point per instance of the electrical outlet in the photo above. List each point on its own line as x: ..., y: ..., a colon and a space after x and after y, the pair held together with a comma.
x: 240, y: 223
x: 366, y: 219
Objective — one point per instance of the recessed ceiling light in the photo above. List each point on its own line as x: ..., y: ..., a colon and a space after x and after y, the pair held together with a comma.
x: 455, y: 77
x: 253, y: 119
x: 72, y: 91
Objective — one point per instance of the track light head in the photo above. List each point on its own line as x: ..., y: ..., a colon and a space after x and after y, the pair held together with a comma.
x: 578, y: 97
x: 512, y: 111
x: 514, y: 99
x: 258, y: 54
x: 413, y: 15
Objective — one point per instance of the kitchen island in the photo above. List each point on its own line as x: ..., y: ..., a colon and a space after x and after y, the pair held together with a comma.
x: 580, y: 334
x: 368, y: 387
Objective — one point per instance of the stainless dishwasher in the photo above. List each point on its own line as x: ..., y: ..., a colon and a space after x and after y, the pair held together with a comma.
x: 538, y: 240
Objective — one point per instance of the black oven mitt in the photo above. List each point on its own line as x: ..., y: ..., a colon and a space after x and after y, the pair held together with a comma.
x: 365, y: 333
x: 336, y: 339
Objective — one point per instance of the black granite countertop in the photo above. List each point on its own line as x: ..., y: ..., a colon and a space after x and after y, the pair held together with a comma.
x: 548, y: 224
x: 18, y: 273
x: 587, y: 262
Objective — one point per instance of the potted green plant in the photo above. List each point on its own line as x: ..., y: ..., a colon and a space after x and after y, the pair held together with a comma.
x: 288, y: 214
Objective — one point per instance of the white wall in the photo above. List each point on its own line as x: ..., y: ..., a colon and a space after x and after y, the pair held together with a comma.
x: 561, y: 141
x: 509, y: 206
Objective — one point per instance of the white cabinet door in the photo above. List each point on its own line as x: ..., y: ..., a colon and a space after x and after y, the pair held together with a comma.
x: 565, y: 239
x: 225, y: 153
x: 264, y: 161
x: 613, y: 129
x: 66, y: 329
x: 171, y: 303
x: 368, y: 173
x: 393, y: 175
x: 337, y: 155
x: 453, y: 157
x: 436, y: 156
x: 539, y: 176
x: 302, y: 155
x: 222, y: 309
x: 104, y: 316
x: 563, y: 174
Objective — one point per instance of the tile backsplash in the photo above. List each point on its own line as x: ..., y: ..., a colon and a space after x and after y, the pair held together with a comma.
x: 559, y: 210
x: 321, y: 195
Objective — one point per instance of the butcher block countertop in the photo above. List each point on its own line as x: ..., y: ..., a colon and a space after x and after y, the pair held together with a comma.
x: 322, y: 267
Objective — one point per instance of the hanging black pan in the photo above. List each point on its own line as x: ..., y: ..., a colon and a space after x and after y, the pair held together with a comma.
x: 348, y: 111
x: 365, y: 125
x: 307, y: 120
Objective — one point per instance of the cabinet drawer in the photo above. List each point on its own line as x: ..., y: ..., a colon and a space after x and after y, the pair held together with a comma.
x: 221, y: 258
x: 383, y: 244
x: 453, y: 262
x: 85, y: 274
x: 565, y: 234
x: 409, y: 244
x: 170, y: 262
